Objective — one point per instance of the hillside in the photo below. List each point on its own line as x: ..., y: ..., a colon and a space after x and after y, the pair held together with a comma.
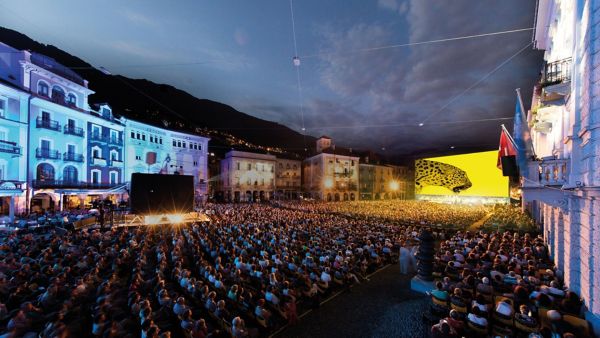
x: 155, y: 103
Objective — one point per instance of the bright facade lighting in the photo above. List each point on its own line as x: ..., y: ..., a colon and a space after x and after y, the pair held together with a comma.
x: 394, y: 185
x: 328, y: 183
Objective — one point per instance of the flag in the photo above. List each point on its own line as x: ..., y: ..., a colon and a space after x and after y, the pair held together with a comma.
x: 522, y: 137
x: 507, y: 155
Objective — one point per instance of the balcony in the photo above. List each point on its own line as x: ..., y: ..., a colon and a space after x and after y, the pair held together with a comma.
x: 71, y: 130
x: 72, y: 157
x: 115, y: 163
x: 554, y: 172
x: 45, y: 184
x: 47, y: 124
x: 99, y: 161
x: 9, y: 147
x: 98, y: 137
x: 115, y: 141
x: 557, y: 72
x: 47, y: 154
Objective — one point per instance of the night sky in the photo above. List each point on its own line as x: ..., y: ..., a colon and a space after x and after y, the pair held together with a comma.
x: 240, y: 53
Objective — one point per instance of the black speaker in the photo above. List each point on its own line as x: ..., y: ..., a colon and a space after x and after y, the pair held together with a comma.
x: 161, y: 194
x: 509, y: 166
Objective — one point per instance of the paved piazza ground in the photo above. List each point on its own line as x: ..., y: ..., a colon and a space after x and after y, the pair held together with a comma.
x: 383, y: 307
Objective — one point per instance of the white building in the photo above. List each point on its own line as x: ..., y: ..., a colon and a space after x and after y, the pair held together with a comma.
x: 288, y: 178
x: 563, y: 187
x: 13, y: 149
x: 247, y: 176
x: 151, y: 149
x: 331, y: 175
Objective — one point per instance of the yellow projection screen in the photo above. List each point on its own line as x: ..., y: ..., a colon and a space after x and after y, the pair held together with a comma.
x: 468, y: 177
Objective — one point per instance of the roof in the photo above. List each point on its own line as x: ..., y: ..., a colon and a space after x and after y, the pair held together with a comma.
x: 324, y: 136
x: 53, y: 66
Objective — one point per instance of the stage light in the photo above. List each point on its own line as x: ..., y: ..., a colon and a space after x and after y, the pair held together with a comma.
x: 394, y: 185
x: 421, y: 124
x: 328, y: 183
x: 176, y: 218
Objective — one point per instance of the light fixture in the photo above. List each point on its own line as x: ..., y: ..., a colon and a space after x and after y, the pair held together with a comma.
x: 394, y: 185
x: 421, y: 124
x: 328, y: 183
x: 451, y: 147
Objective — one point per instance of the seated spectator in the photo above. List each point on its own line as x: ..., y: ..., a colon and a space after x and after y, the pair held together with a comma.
x: 571, y: 304
x: 442, y: 330
x: 238, y: 328
x: 504, y: 308
x: 439, y: 292
x: 180, y: 308
x: 524, y: 316
x: 475, y: 317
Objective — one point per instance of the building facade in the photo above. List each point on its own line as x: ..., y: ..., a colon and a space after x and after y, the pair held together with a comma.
x: 247, y: 177
x: 382, y: 182
x: 331, y: 175
x: 288, y: 179
x: 562, y: 185
x: 13, y: 149
x: 155, y: 150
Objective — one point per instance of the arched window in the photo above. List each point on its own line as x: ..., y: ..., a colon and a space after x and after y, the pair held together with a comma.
x: 71, y: 100
x: 42, y: 88
x: 45, y: 172
x: 70, y: 174
x: 58, y: 94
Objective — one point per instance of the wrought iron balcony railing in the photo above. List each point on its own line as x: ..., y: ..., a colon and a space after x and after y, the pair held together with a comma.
x: 70, y: 130
x: 47, y: 124
x: 10, y: 147
x: 47, y: 153
x: 557, y: 72
x: 72, y: 157
x: 49, y: 183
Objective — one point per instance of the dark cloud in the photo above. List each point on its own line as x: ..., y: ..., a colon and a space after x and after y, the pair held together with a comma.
x: 407, y: 85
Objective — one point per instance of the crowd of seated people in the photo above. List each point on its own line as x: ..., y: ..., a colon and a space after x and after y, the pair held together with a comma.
x: 403, y: 211
x: 503, y: 284
x: 247, y: 272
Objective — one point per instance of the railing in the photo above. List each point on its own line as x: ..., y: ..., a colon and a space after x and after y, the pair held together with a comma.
x: 98, y: 137
x: 71, y: 130
x: 115, y: 163
x: 554, y: 172
x: 72, y: 157
x: 99, y: 161
x: 42, y: 184
x: 115, y: 140
x: 47, y: 153
x: 10, y: 147
x: 47, y: 124
x: 557, y: 72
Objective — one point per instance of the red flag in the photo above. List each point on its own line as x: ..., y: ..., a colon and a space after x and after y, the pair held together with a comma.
x: 507, y: 148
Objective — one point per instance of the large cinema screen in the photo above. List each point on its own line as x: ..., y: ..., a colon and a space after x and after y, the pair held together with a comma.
x: 462, y: 178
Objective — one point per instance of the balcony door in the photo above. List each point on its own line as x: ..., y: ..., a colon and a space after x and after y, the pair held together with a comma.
x: 95, y: 177
x: 45, y: 172
x: 70, y: 174
x: 45, y: 147
x: 71, y: 150
x: 45, y: 117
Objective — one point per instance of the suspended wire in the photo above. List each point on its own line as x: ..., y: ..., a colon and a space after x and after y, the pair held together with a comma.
x: 298, y: 82
x: 476, y: 83
x: 395, y: 125
x: 361, y: 50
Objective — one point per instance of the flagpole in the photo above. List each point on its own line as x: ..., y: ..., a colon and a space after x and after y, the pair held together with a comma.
x: 524, y: 117
x: 510, y: 138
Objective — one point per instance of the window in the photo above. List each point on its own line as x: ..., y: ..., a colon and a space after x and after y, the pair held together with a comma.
x: 71, y: 100
x: 137, y: 136
x: 160, y: 140
x: 114, y: 155
x: 151, y: 138
x: 183, y: 145
x: 179, y: 144
x: 45, y: 116
x: 58, y: 94
x: 96, y: 131
x: 195, y: 163
x: 71, y: 124
x: 138, y: 157
x: 174, y: 143
x: 114, y: 177
x: 199, y: 147
x: 45, y: 145
x: 2, y: 107
x: 43, y: 89
x: 95, y: 176
x: 106, y: 112
x: 2, y: 171
x: 132, y: 135
x: 70, y: 149
x: 70, y: 174
x: 143, y: 137
x: 249, y: 166
x: 238, y: 165
x: 3, y: 135
x: 45, y: 172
